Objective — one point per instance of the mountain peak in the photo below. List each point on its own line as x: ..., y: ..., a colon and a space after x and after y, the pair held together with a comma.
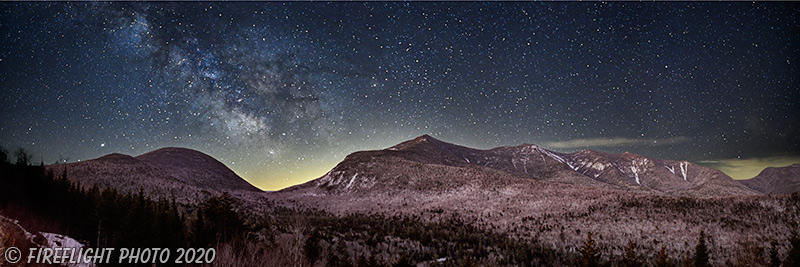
x: 427, y: 139
x: 169, y: 169
x: 422, y: 139
x: 177, y: 156
x: 118, y: 158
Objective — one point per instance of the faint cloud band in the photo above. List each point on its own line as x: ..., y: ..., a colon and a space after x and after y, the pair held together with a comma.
x: 619, y: 141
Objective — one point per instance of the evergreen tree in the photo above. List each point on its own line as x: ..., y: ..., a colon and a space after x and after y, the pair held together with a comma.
x: 468, y: 262
x: 662, y: 260
x: 23, y: 157
x: 701, y: 251
x: 362, y: 261
x: 590, y: 255
x: 404, y: 261
x: 774, y: 258
x: 3, y: 156
x: 312, y: 248
x: 344, y: 254
x: 688, y: 261
x: 219, y: 220
x: 793, y: 259
x: 630, y: 258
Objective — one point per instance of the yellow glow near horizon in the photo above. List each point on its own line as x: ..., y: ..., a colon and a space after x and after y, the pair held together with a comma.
x: 274, y: 180
x: 748, y: 168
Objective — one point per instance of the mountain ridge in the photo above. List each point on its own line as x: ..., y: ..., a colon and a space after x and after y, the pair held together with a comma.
x: 625, y: 171
x: 776, y: 180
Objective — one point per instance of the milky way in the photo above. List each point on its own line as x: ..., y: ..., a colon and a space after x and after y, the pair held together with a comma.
x: 280, y: 92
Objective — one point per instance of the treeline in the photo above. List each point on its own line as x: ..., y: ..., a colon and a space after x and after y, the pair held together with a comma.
x: 48, y: 202
x: 590, y: 255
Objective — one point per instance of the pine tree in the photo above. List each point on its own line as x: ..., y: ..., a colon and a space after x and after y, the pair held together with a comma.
x: 688, y: 261
x: 774, y: 258
x: 793, y: 259
x: 3, y: 156
x: 312, y: 248
x: 404, y: 261
x: 630, y: 258
x: 701, y: 251
x: 590, y: 255
x: 662, y: 260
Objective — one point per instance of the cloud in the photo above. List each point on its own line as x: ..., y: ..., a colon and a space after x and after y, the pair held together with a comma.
x: 618, y: 141
x: 750, y: 167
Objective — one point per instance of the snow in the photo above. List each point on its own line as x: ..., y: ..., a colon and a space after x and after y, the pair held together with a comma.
x: 62, y: 241
x: 525, y: 166
x: 671, y: 169
x: 558, y: 158
x: 599, y: 166
x: 351, y: 181
x: 28, y: 235
x: 633, y: 169
x: 684, y: 168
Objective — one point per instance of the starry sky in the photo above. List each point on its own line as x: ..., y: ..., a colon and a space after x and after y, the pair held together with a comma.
x: 281, y: 92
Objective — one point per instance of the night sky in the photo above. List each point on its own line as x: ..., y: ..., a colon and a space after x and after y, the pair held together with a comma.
x: 281, y: 92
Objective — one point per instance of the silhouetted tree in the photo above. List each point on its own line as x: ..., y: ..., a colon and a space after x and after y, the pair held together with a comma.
x: 590, y: 255
x: 774, y: 258
x: 23, y: 157
x: 688, y: 261
x: 344, y: 255
x: 662, y: 260
x: 701, y: 251
x: 3, y: 156
x: 468, y: 262
x: 793, y: 259
x: 218, y: 220
x: 312, y: 248
x: 751, y: 255
x: 630, y: 258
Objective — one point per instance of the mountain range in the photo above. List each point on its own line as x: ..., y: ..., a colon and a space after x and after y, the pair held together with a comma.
x: 428, y: 164
x: 524, y: 192
x: 366, y: 170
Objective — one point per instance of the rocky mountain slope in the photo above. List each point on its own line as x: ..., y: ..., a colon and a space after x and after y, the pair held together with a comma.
x: 532, y: 193
x: 386, y: 168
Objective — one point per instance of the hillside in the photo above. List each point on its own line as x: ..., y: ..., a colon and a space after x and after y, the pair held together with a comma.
x: 772, y: 180
x: 168, y: 172
x: 393, y: 168
x: 531, y: 193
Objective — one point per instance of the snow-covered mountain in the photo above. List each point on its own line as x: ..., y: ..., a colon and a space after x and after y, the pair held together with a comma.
x: 774, y: 180
x: 368, y: 169
x: 166, y: 172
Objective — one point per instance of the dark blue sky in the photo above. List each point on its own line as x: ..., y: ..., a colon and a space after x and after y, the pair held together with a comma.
x: 280, y: 92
